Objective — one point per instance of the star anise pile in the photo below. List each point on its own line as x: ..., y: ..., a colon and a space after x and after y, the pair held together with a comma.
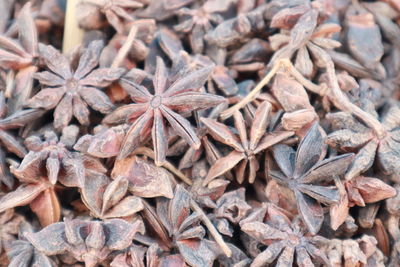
x: 199, y: 133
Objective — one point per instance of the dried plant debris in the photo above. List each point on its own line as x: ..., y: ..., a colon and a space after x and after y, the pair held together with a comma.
x: 200, y: 133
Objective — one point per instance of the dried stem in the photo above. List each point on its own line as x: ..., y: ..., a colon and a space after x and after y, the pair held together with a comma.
x: 73, y: 35
x: 335, y: 94
x: 343, y: 103
x: 10, y: 84
x: 150, y: 153
x: 213, y: 231
x: 123, y: 51
x: 230, y: 111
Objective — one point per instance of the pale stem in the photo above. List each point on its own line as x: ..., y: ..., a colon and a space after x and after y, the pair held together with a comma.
x: 343, y: 103
x: 150, y: 153
x: 73, y: 34
x: 123, y: 51
x: 10, y: 84
x: 253, y: 94
x: 213, y: 231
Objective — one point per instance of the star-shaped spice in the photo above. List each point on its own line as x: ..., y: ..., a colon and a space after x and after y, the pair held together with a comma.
x: 303, y: 170
x: 49, y: 161
x: 304, y: 38
x: 70, y: 91
x: 358, y: 191
x: 20, y: 55
x: 149, y: 112
x: 286, y: 240
x: 349, y: 252
x: 9, y: 142
x: 90, y: 242
x: 116, y: 12
x: 246, y: 148
x: 185, y: 230
x: 351, y: 135
x: 9, y: 221
x: 22, y: 253
x: 197, y: 22
x: 108, y: 199
x: 53, y: 153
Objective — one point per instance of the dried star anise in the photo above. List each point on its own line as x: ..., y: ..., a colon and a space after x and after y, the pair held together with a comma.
x: 284, y: 238
x: 21, y: 56
x: 184, y: 229
x: 90, y: 242
x: 22, y: 253
x: 107, y: 200
x: 49, y: 161
x: 301, y: 171
x: 246, y: 148
x: 232, y: 206
x: 305, y: 38
x: 91, y: 13
x: 9, y: 221
x: 148, y: 113
x: 144, y: 178
x: 197, y: 22
x: 351, y: 135
x: 359, y: 191
x: 70, y: 91
x: 360, y: 252
x: 7, y: 123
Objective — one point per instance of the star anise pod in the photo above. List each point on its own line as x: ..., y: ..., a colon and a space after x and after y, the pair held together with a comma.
x: 148, y: 113
x: 54, y: 154
x: 233, y: 206
x: 359, y: 191
x: 108, y: 199
x: 70, y: 91
x: 138, y: 256
x: 90, y: 242
x: 352, y: 135
x: 144, y: 178
x: 183, y: 227
x: 9, y: 221
x: 9, y: 142
x: 47, y: 163
x: 362, y: 190
x: 117, y: 13
x: 286, y: 240
x: 206, y: 195
x: 295, y: 102
x: 246, y: 148
x: 250, y: 57
x: 22, y: 253
x: 21, y: 56
x: 304, y: 38
x: 360, y: 252
x: 303, y: 170
x: 197, y: 22
x: 238, y: 29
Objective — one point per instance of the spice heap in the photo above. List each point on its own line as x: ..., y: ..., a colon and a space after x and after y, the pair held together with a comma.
x: 200, y: 133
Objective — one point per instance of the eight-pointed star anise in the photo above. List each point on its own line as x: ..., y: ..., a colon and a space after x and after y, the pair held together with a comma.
x: 246, y: 148
x: 69, y: 90
x: 351, y: 135
x: 87, y: 241
x: 117, y: 12
x: 197, y: 22
x: 300, y: 171
x: 148, y: 113
x: 8, y: 141
x: 286, y: 240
